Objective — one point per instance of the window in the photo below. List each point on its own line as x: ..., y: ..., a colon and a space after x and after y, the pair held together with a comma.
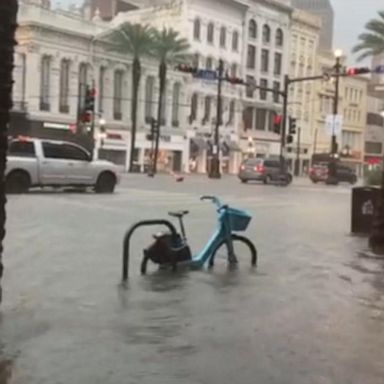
x: 251, y: 57
x: 19, y: 75
x: 102, y: 79
x: 194, y: 107
x: 277, y: 64
x: 248, y: 118
x: 234, y: 70
x: 235, y: 41
x: 197, y: 29
x: 64, y: 86
x: 265, y: 60
x: 372, y: 147
x: 176, y: 104
x: 210, y: 33
x: 83, y: 80
x: 261, y: 119
x: 207, y: 109
x: 45, y: 83
x: 196, y: 60
x: 64, y: 151
x: 209, y: 64
x: 263, y: 93
x: 252, y: 29
x: 250, y: 89
x: 276, y: 96
x: 118, y: 95
x: 149, y: 85
x: 266, y: 34
x: 232, y: 110
x: 223, y: 37
x: 22, y: 149
x: 279, y: 38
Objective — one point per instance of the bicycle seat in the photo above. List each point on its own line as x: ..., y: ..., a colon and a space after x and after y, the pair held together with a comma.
x: 178, y: 214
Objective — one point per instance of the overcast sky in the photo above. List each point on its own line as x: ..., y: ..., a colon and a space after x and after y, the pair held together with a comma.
x: 351, y: 16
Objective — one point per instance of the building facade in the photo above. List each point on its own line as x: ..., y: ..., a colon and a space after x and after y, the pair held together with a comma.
x: 304, y: 50
x: 57, y: 58
x: 324, y: 10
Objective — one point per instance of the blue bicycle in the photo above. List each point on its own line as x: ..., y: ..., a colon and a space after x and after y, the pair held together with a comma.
x: 171, y: 249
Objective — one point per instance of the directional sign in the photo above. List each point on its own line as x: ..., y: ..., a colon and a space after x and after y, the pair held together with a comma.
x: 206, y: 74
x: 334, y: 124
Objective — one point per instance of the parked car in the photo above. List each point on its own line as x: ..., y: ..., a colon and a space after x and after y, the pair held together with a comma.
x: 319, y: 173
x: 265, y: 170
x: 39, y: 163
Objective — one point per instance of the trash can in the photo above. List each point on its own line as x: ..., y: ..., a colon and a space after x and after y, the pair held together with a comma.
x: 364, y: 203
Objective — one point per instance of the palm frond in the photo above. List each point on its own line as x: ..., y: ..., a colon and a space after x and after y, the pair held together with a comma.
x: 128, y: 38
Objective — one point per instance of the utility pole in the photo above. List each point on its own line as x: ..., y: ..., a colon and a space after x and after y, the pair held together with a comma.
x: 215, y: 172
x: 332, y: 166
x: 298, y: 149
x: 284, y: 123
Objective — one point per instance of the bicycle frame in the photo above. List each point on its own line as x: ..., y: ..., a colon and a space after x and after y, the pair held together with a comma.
x: 222, y: 233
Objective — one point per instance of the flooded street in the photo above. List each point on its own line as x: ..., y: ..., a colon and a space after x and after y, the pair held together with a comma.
x: 312, y: 313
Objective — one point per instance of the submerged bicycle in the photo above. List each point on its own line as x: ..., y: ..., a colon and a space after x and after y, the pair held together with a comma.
x: 171, y: 249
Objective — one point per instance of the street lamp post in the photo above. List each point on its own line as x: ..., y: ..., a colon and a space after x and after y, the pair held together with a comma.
x: 376, y: 240
x: 332, y: 170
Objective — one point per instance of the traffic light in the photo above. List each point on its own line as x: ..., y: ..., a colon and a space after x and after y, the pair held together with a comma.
x: 358, y: 71
x: 186, y: 68
x: 292, y: 125
x: 151, y: 136
x: 89, y: 105
x: 289, y: 139
x: 277, y: 120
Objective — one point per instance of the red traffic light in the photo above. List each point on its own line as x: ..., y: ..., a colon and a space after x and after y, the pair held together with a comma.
x: 358, y: 71
x: 277, y: 119
x: 234, y: 80
x: 86, y: 117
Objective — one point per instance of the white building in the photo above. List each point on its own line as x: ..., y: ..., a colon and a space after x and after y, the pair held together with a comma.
x: 57, y: 57
x: 305, y: 36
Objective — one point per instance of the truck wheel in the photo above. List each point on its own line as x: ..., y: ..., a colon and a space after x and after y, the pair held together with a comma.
x: 105, y: 183
x: 18, y: 182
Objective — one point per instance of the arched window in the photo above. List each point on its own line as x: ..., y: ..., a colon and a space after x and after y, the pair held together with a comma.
x: 210, y: 33
x: 64, y: 86
x: 235, y: 41
x: 252, y: 29
x: 102, y: 79
x: 207, y: 109
x: 279, y: 38
x: 234, y: 70
x: 194, y: 107
x: 266, y: 34
x: 209, y: 64
x: 45, y: 83
x: 223, y: 37
x: 149, y: 86
x: 176, y: 104
x: 196, y: 60
x: 118, y: 95
x: 232, y: 110
x: 83, y: 81
x: 197, y: 29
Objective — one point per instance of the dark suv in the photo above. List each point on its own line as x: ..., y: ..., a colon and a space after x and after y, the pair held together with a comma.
x: 319, y: 173
x: 265, y: 170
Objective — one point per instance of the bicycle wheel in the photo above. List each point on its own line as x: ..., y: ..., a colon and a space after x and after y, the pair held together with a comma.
x: 241, y: 245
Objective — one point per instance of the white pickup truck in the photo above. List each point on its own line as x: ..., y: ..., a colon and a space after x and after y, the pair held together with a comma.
x: 40, y: 163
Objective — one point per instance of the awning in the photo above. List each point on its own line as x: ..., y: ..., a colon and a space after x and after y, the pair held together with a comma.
x: 198, y: 144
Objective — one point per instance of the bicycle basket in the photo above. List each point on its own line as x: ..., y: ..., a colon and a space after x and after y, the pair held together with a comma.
x: 238, y: 220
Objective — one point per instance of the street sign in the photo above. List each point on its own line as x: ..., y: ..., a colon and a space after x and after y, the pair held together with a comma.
x: 334, y: 124
x: 206, y: 74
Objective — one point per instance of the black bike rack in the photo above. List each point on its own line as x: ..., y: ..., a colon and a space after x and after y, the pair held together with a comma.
x: 127, y: 240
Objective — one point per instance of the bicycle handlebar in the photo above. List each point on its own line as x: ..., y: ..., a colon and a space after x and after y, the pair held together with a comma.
x: 214, y: 200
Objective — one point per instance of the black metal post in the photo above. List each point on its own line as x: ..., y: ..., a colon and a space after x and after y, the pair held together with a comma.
x: 332, y: 167
x: 153, y: 134
x: 215, y: 172
x: 298, y: 149
x: 284, y: 122
x: 93, y: 121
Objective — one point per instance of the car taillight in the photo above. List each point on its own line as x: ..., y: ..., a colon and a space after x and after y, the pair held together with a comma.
x: 242, y: 168
x: 311, y: 171
x: 259, y: 168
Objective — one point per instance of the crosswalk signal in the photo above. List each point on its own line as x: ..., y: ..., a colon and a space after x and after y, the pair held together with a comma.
x: 277, y: 120
x: 292, y: 125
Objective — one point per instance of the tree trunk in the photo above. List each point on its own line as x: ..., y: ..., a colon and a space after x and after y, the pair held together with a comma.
x: 136, y: 76
x: 162, y: 82
x: 8, y: 14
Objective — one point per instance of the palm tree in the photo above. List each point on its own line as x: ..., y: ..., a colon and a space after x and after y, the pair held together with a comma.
x: 135, y: 40
x: 371, y: 43
x: 168, y: 48
x: 8, y: 13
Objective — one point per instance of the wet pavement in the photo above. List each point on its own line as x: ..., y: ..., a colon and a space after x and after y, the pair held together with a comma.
x: 312, y: 313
